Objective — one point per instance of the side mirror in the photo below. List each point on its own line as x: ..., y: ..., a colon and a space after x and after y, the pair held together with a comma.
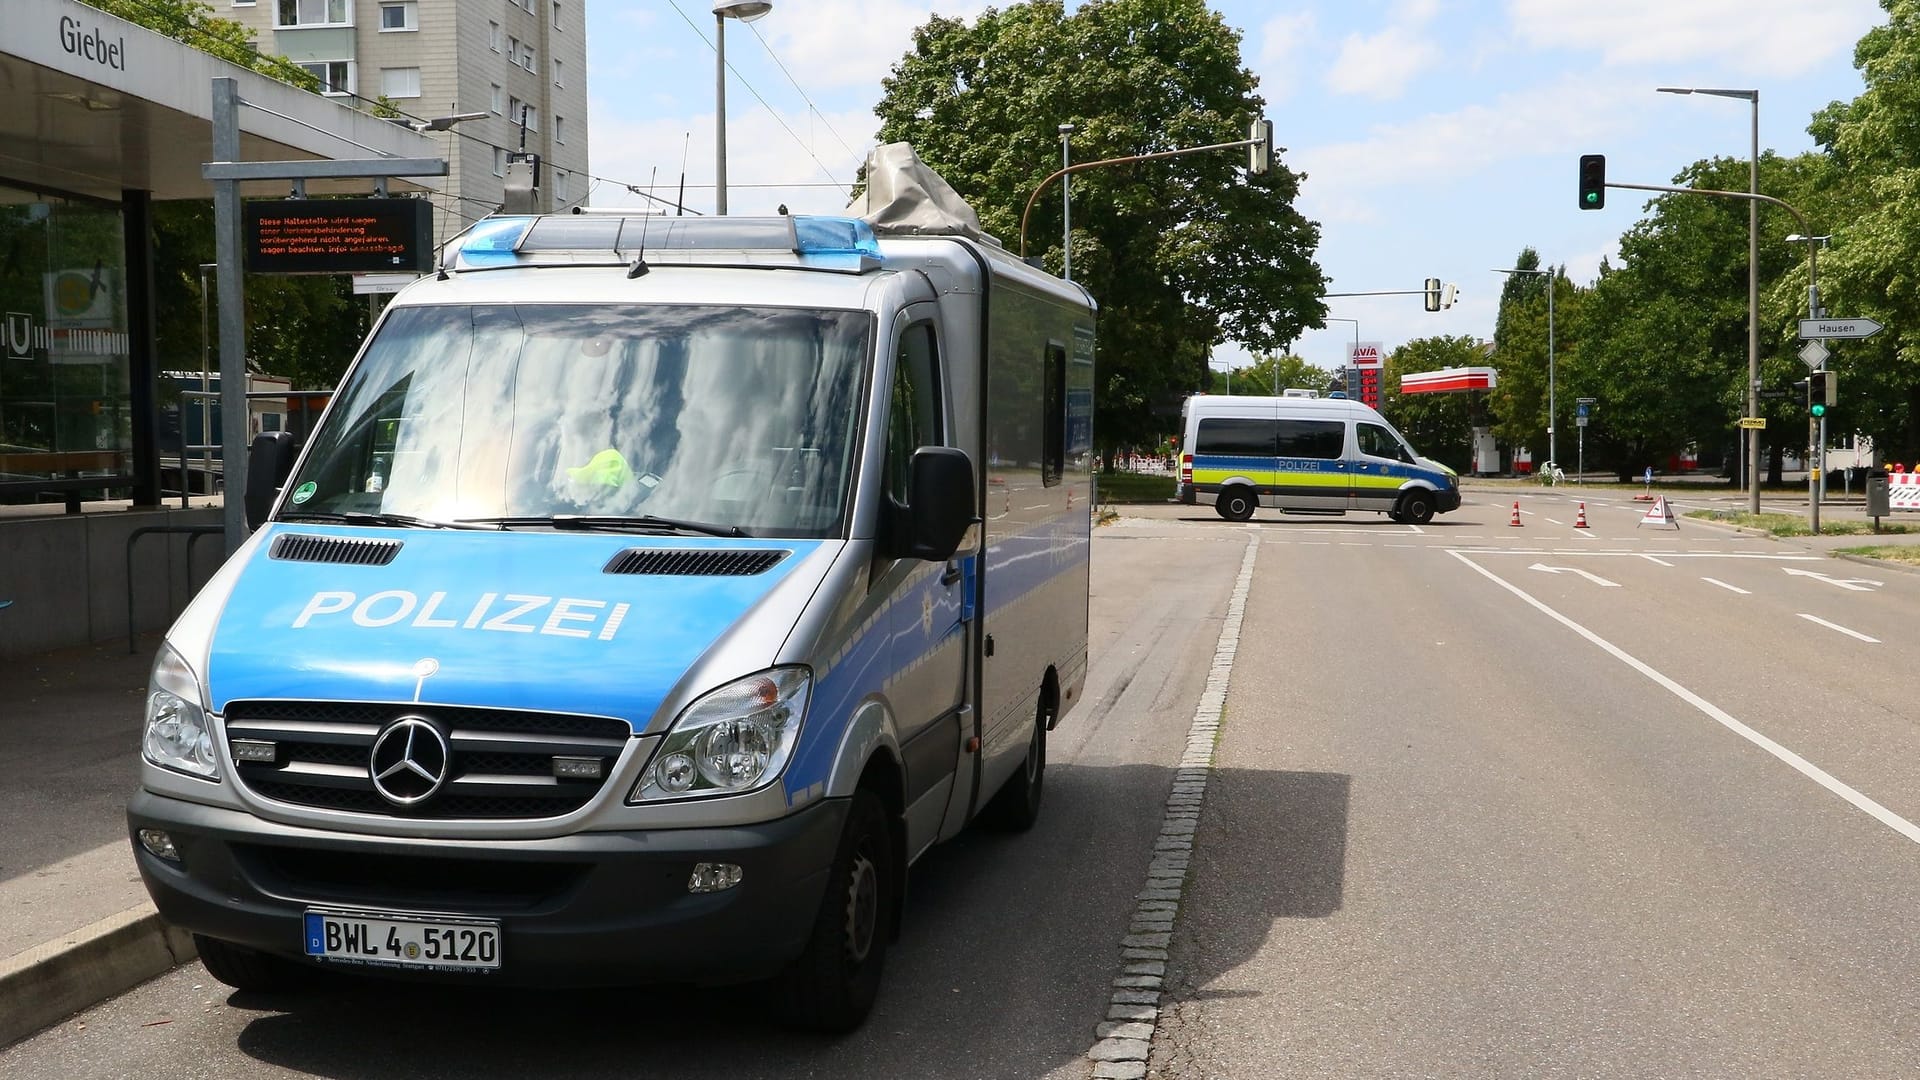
x: 269, y: 460
x: 940, y: 504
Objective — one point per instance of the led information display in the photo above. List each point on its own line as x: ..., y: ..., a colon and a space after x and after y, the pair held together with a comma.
x: 338, y: 236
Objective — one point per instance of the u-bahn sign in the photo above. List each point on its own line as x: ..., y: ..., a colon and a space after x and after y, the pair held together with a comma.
x: 338, y: 236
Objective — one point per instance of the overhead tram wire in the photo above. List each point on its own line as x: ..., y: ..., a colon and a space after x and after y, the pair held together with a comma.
x: 858, y: 158
x: 797, y: 141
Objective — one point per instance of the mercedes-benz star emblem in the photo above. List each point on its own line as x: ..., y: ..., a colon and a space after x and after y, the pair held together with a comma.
x: 409, y: 763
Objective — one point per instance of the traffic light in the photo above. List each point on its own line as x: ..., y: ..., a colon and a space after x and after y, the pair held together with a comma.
x: 1448, y: 295
x: 1593, y: 181
x: 1433, y: 294
x: 1821, y: 390
x: 1260, y: 154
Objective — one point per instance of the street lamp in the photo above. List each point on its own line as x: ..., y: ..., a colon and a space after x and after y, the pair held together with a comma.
x: 1348, y: 368
x: 1553, y: 453
x: 1753, y: 283
x: 1066, y: 206
x: 745, y: 11
x: 1818, y: 428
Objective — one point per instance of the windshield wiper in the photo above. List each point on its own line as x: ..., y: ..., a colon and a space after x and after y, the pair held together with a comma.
x: 637, y: 522
x: 360, y: 517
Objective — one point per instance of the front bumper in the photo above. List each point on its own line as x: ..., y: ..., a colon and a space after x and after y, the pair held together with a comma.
x: 1449, y: 500
x: 592, y: 909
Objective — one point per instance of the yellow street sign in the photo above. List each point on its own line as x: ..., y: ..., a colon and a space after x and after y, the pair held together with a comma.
x: 1755, y: 423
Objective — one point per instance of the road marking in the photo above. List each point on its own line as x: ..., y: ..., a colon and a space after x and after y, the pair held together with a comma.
x: 1595, y: 578
x: 1661, y: 562
x: 1041, y: 506
x: 1556, y: 521
x: 1724, y: 585
x: 1842, y: 629
x: 1353, y: 543
x: 1417, y: 530
x: 1586, y: 536
x: 1637, y: 554
x: 1799, y: 764
x: 1855, y: 584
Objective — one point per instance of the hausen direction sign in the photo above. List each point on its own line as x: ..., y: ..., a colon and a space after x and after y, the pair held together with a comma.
x: 1838, y: 328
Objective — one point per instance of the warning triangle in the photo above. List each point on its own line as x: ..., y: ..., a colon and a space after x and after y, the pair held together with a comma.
x: 1659, y: 514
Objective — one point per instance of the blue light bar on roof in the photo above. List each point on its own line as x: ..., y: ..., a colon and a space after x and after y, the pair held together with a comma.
x: 821, y: 235
x: 493, y: 241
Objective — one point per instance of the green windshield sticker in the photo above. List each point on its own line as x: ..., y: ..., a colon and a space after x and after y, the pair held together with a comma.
x: 304, y: 492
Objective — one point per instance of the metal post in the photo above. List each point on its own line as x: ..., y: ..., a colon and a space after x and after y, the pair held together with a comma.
x: 233, y: 323
x: 1753, y: 314
x: 1553, y: 455
x: 142, y: 359
x: 1066, y: 204
x: 1816, y: 429
x: 720, y: 114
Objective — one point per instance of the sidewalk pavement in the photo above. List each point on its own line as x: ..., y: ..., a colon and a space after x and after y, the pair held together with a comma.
x: 75, y: 923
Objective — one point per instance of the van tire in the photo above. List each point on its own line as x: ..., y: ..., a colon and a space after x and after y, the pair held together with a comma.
x: 1016, y: 806
x: 247, y: 969
x: 1416, y: 506
x: 1236, y: 503
x: 832, y: 985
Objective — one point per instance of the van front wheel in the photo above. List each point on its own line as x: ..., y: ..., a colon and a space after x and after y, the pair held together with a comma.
x: 832, y: 985
x: 1236, y: 504
x: 1416, y: 507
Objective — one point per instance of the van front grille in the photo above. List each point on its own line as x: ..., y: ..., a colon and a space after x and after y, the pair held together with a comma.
x: 499, y: 763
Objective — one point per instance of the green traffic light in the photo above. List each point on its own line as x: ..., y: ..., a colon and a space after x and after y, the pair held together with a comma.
x: 1817, y: 410
x: 1593, y: 197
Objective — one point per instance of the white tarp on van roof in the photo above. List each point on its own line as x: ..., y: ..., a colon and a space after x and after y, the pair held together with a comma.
x: 904, y: 196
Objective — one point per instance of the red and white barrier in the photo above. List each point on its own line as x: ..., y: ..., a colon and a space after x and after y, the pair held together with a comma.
x: 1903, y: 490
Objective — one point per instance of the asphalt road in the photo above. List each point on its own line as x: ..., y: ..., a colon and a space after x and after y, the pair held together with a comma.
x: 1487, y: 801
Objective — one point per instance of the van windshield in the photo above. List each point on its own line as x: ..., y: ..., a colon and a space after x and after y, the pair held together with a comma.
x: 731, y: 416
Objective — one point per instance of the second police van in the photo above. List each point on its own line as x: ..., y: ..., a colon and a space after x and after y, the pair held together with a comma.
x: 1305, y: 455
x: 652, y: 594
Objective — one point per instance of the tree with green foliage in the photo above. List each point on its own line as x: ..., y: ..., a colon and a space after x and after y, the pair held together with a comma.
x: 193, y: 23
x: 1269, y: 371
x: 1181, y: 253
x: 1439, y: 426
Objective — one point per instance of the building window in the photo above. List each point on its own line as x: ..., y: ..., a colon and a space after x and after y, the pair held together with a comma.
x: 533, y: 118
x: 404, y: 16
x: 499, y: 161
x: 559, y: 76
x: 242, y: 3
x: 526, y: 58
x: 559, y: 186
x: 336, y: 76
x: 314, y: 13
x: 497, y: 100
x: 513, y: 110
x: 400, y: 82
x: 513, y: 50
x: 559, y: 129
x: 493, y: 36
x: 556, y: 14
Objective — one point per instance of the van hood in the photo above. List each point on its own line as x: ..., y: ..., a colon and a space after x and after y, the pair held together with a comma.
x: 601, y: 624
x: 1429, y: 463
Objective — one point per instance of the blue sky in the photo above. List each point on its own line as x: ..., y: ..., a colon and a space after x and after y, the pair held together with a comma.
x: 1439, y: 137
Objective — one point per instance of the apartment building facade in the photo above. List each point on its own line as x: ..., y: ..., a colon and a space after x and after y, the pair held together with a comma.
x: 514, y: 60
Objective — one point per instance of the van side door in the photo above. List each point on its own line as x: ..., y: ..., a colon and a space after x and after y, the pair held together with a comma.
x: 1312, y: 469
x: 928, y: 605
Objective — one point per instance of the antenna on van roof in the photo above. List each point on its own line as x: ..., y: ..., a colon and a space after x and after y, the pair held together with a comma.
x: 639, y: 267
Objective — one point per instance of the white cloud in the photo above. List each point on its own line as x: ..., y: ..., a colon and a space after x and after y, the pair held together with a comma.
x: 1283, y: 41
x: 1567, y: 117
x: 834, y: 43
x: 1778, y: 37
x: 1380, y: 65
x: 759, y: 151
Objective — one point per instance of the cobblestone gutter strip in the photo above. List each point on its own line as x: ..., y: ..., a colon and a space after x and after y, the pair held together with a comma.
x: 1126, y: 1036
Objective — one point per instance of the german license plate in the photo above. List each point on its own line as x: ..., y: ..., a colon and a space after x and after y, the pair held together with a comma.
x: 383, y: 940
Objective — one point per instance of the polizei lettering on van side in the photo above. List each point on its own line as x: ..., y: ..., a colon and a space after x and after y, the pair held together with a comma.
x: 513, y: 613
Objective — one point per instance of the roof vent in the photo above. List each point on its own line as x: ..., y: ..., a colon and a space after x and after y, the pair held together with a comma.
x: 334, y: 549
x: 695, y: 563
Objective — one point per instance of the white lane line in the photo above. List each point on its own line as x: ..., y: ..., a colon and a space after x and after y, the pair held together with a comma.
x: 1585, y: 535
x: 1041, y: 506
x: 1556, y: 521
x: 1353, y: 543
x: 1842, y: 629
x: 1651, y: 559
x: 1801, y: 765
x: 1418, y: 531
x: 1729, y: 588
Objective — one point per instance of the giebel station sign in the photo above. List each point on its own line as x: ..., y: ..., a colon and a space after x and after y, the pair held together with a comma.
x: 338, y: 236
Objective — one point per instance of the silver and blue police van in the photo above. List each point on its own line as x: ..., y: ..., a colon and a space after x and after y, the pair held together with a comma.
x: 652, y: 593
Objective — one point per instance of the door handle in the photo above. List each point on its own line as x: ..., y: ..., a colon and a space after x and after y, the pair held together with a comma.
x: 953, y: 572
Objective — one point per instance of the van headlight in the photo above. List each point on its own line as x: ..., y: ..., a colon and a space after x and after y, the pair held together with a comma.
x: 178, y: 734
x: 731, y: 740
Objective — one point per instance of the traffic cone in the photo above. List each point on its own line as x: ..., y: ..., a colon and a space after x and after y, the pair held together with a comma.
x: 1580, y: 522
x: 1516, y: 516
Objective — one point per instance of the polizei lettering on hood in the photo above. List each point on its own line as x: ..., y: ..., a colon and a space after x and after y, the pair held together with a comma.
x: 511, y: 613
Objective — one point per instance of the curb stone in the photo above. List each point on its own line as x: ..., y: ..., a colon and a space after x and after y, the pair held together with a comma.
x: 50, y: 982
x: 1125, y: 1037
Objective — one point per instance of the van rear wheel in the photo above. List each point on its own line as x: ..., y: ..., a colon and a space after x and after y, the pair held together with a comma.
x: 1236, y: 504
x: 1416, y: 507
x: 1016, y: 806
